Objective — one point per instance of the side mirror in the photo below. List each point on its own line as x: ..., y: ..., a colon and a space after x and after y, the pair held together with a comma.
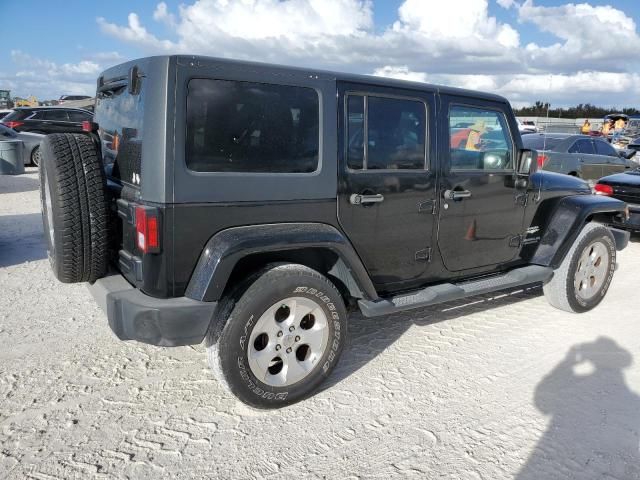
x: 527, y: 162
x: 627, y: 153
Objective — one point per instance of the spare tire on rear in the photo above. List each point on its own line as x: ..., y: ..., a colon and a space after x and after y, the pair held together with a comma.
x: 74, y: 207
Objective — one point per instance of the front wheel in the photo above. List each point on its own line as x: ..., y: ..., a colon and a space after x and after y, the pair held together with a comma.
x: 584, y: 276
x: 279, y: 339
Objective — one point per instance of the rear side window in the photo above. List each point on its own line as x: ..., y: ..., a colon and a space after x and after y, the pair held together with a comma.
x: 582, y: 146
x: 17, y: 115
x: 235, y: 126
x: 391, y: 135
x: 79, y: 116
x: 120, y: 116
x: 58, y: 115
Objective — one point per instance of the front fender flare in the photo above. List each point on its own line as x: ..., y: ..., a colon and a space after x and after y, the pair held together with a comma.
x: 223, y: 251
x: 566, y: 222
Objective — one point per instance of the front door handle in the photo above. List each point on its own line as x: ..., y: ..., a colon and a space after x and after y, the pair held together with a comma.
x: 456, y: 194
x: 357, y: 199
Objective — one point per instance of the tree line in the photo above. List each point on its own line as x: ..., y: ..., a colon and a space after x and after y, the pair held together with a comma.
x: 582, y: 110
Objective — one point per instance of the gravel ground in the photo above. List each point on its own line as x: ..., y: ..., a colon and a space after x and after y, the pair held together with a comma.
x: 502, y: 386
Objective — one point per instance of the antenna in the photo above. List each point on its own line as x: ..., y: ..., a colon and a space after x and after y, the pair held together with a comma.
x: 544, y: 137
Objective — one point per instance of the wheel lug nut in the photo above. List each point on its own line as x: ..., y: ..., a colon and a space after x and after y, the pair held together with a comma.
x: 292, y: 328
x: 289, y: 350
x: 297, y: 338
x: 280, y: 333
x: 278, y: 347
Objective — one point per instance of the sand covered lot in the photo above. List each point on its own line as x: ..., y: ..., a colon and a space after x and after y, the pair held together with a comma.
x: 500, y: 386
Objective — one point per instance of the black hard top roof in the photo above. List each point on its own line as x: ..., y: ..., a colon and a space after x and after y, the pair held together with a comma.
x: 203, y: 61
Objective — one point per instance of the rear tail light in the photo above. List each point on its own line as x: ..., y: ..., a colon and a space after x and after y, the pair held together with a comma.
x: 147, y: 229
x: 542, y: 159
x: 88, y: 126
x: 602, y: 189
x: 13, y: 124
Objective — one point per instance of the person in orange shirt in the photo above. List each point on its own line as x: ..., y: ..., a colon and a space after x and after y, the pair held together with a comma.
x: 586, y: 127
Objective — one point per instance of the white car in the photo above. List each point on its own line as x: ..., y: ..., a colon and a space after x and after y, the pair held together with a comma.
x: 528, y: 127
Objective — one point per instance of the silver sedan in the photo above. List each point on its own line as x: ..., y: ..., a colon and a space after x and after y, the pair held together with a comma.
x: 30, y: 140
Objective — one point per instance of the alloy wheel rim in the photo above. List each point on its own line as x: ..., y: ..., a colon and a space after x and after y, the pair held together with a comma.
x: 592, y: 270
x: 288, y: 341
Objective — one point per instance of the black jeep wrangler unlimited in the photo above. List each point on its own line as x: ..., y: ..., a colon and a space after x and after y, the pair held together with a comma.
x: 252, y: 206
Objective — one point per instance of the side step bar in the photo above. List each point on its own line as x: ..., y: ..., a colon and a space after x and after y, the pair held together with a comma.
x: 446, y: 292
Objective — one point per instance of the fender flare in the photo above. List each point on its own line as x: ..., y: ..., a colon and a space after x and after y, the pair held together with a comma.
x: 223, y: 251
x: 566, y: 222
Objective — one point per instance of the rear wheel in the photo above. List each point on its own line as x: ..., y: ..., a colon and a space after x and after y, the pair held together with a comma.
x: 279, y: 339
x: 583, y: 278
x: 35, y: 156
x: 74, y: 207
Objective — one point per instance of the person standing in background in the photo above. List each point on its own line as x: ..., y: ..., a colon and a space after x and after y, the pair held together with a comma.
x: 618, y: 129
x: 586, y: 127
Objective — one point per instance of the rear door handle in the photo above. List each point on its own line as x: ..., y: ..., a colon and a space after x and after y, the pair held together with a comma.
x: 357, y: 199
x: 456, y: 194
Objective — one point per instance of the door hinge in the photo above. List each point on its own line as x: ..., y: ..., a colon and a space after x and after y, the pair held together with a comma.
x: 428, y: 206
x: 423, y: 255
x: 515, y: 242
x: 522, y: 199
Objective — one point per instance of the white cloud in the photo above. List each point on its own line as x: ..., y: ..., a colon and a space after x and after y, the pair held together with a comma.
x: 600, y: 36
x: 47, y: 79
x: 506, y: 3
x: 588, y: 51
x: 522, y: 89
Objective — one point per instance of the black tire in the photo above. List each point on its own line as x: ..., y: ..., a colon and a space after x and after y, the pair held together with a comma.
x: 36, y: 156
x: 561, y: 291
x: 74, y: 207
x: 229, y: 344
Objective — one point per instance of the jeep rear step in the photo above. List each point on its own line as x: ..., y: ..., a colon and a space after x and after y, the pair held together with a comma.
x: 446, y: 292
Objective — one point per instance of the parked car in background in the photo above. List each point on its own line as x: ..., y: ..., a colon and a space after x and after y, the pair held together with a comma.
x: 4, y: 113
x: 626, y: 187
x: 634, y: 145
x: 47, y: 120
x: 31, y: 143
x: 526, y: 126
x: 589, y: 158
x: 71, y: 98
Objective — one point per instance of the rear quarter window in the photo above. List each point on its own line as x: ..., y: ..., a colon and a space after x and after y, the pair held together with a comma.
x: 120, y: 117
x: 235, y: 126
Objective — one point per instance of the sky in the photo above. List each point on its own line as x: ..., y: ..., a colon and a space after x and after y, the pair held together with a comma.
x: 527, y: 50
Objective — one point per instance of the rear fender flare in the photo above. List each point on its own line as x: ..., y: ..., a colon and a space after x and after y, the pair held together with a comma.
x: 227, y: 247
x: 566, y: 222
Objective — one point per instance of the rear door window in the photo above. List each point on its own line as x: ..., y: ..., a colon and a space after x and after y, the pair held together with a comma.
x: 235, y: 126
x: 391, y: 135
x: 584, y: 146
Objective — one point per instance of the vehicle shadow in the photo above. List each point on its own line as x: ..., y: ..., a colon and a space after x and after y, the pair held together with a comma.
x: 594, y: 427
x: 21, y: 239
x: 368, y: 337
x: 18, y: 184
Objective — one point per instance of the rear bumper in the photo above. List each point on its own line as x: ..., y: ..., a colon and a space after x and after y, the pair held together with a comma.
x: 633, y: 222
x: 132, y: 315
